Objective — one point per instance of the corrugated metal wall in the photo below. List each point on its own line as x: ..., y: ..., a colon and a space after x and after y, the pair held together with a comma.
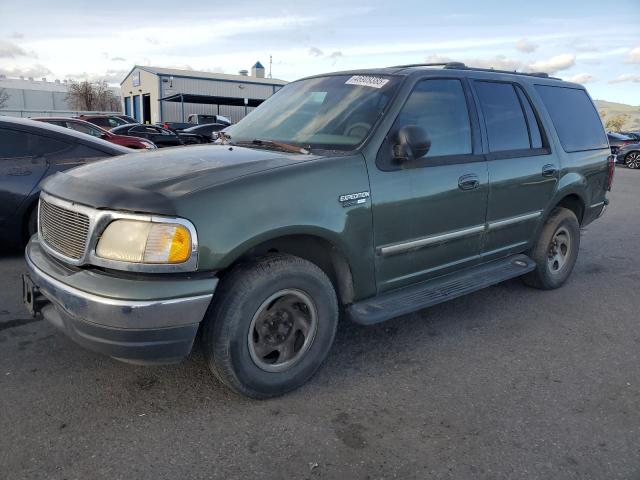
x: 216, y: 87
x: 23, y: 99
x: 172, y: 111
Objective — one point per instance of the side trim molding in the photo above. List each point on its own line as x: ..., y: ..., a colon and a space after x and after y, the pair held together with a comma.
x: 511, y: 220
x: 396, y: 248
x: 402, y: 247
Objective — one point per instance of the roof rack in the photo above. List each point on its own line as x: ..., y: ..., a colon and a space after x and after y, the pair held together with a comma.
x: 458, y: 65
x: 462, y: 66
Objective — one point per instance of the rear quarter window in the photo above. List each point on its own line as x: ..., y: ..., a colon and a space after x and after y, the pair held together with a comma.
x: 574, y: 117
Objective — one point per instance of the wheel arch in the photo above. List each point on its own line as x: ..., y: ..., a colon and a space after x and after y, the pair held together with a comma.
x: 312, y: 247
x: 573, y: 202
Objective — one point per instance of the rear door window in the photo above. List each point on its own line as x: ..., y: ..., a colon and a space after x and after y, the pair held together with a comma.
x: 574, y: 117
x: 19, y: 144
x: 535, y: 136
x: 504, y: 119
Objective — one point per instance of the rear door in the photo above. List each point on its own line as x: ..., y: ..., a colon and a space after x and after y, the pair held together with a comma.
x: 523, y: 174
x: 429, y: 213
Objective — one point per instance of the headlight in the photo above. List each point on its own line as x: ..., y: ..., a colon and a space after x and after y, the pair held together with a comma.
x: 138, y: 241
x: 149, y: 145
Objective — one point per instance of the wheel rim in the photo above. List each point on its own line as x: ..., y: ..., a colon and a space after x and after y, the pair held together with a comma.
x: 559, y: 250
x: 282, y: 330
x: 632, y: 160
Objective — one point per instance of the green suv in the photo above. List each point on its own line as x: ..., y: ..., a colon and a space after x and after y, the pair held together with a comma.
x: 364, y: 195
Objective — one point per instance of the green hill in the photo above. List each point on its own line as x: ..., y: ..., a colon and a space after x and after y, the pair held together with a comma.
x: 611, y: 109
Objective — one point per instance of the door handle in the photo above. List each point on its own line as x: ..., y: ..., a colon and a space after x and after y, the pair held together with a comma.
x: 549, y: 171
x: 468, y: 182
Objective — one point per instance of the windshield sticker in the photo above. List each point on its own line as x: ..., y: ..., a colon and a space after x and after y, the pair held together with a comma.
x: 367, y: 81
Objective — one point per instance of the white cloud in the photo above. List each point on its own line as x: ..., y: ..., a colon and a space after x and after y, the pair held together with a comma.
x: 499, y: 62
x: 634, y: 55
x: 625, y: 78
x: 554, y: 64
x: 11, y: 50
x: 502, y: 62
x: 435, y: 58
x: 581, y: 78
x: 525, y: 46
x: 35, y: 71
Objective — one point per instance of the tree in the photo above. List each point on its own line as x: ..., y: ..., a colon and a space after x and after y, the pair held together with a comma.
x: 92, y: 96
x: 4, y: 97
x: 616, y: 123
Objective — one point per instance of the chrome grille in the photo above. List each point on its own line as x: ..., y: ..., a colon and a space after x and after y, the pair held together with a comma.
x: 63, y: 230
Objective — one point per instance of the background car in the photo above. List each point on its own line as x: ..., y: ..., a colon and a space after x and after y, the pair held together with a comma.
x: 107, y: 121
x: 30, y: 151
x: 617, y: 140
x: 629, y: 155
x: 633, y: 135
x: 206, y: 131
x: 95, y: 131
x: 194, y: 119
x: 161, y: 137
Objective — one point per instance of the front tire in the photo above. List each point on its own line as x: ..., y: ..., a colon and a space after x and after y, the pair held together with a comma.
x: 271, y: 325
x: 556, y: 251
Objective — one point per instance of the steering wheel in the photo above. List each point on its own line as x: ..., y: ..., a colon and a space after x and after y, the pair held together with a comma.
x: 351, y: 129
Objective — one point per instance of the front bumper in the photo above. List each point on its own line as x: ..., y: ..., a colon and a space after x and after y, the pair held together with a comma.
x: 139, y: 320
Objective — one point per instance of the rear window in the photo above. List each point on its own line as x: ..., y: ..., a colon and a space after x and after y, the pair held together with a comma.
x: 575, y: 118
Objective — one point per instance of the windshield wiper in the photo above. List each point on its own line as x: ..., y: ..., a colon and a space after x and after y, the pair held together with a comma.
x: 274, y: 143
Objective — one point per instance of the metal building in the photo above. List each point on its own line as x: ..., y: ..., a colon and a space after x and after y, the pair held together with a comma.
x: 37, y: 98
x: 155, y: 94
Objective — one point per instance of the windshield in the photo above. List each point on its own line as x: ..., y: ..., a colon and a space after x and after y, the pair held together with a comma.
x: 335, y: 112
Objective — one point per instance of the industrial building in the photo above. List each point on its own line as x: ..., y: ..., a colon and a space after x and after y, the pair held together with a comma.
x: 37, y: 98
x: 155, y: 94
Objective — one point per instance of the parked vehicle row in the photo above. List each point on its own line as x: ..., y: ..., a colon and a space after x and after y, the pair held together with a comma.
x: 126, y: 131
x: 196, y: 119
x: 98, y: 132
x: 374, y: 193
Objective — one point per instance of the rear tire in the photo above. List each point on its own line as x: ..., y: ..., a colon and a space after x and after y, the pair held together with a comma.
x: 556, y: 251
x: 271, y: 325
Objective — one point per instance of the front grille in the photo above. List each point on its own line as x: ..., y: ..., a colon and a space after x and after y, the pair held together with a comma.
x: 64, y: 230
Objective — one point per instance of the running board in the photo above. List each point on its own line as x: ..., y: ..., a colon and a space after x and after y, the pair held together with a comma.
x: 429, y: 293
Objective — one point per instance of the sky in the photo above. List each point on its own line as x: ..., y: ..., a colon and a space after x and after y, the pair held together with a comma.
x: 591, y: 42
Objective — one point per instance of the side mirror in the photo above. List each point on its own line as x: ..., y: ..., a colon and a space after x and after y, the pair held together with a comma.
x: 412, y: 142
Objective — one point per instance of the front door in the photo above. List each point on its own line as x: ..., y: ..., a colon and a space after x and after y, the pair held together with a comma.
x: 522, y: 172
x: 429, y: 213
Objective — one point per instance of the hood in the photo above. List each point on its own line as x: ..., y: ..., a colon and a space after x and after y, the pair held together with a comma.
x: 150, y: 181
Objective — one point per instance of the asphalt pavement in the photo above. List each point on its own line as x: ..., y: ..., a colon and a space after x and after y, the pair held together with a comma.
x: 507, y: 383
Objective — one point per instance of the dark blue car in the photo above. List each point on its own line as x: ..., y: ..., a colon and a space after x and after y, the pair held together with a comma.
x: 30, y: 151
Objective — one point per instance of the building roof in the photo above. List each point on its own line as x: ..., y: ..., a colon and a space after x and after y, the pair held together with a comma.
x: 258, y: 65
x: 205, y: 75
x: 24, y: 84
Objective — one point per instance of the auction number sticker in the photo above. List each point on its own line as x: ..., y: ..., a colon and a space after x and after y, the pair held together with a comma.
x: 367, y: 81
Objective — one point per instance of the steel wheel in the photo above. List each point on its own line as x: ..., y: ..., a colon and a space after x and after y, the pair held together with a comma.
x: 559, y: 250
x: 632, y: 160
x: 282, y: 330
